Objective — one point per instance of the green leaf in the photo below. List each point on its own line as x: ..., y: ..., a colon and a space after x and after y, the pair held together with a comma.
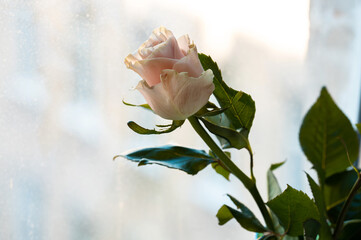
x: 358, y: 125
x: 244, y: 217
x: 222, y: 121
x: 317, y: 194
x: 221, y: 170
x: 210, y: 109
x: 234, y: 138
x: 293, y: 208
x: 336, y: 191
x: 267, y: 237
x: 351, y: 230
x: 311, y: 229
x: 224, y: 215
x: 217, y: 166
x: 241, y: 107
x: 274, y: 166
x: 212, y: 112
x: 274, y: 190
x: 263, y: 236
x: 188, y: 160
x: 144, y: 131
x: 287, y: 237
x: 272, y: 183
x: 338, y: 187
x: 325, y: 231
x: 145, y: 106
x: 323, y: 131
x: 353, y: 212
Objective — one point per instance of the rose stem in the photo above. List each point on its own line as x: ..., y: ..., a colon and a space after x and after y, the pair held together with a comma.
x: 247, y: 182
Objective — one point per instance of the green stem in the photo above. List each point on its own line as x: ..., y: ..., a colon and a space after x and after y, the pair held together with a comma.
x: 247, y: 182
x: 251, y: 164
x: 341, y: 217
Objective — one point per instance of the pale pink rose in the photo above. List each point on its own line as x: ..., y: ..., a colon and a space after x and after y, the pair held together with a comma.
x: 174, y: 83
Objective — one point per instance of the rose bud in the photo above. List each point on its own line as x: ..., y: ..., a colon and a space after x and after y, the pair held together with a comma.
x: 174, y: 83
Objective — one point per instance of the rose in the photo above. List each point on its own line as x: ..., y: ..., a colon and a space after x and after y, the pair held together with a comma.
x: 174, y: 83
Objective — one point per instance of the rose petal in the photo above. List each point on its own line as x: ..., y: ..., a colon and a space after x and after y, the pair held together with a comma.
x: 158, y: 99
x: 174, y: 83
x: 150, y: 69
x: 131, y: 59
x: 162, y: 33
x: 183, y: 43
x: 190, y: 63
x: 168, y: 49
x: 187, y: 94
x: 158, y: 36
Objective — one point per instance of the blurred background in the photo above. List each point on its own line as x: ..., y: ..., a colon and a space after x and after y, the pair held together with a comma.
x: 62, y: 81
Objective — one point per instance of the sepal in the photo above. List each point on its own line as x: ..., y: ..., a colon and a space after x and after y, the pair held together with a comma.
x: 163, y: 128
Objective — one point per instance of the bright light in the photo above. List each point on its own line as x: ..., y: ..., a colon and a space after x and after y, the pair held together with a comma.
x: 281, y: 25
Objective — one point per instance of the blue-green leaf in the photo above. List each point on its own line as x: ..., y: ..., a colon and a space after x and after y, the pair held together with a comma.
x: 164, y: 128
x: 188, y: 160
